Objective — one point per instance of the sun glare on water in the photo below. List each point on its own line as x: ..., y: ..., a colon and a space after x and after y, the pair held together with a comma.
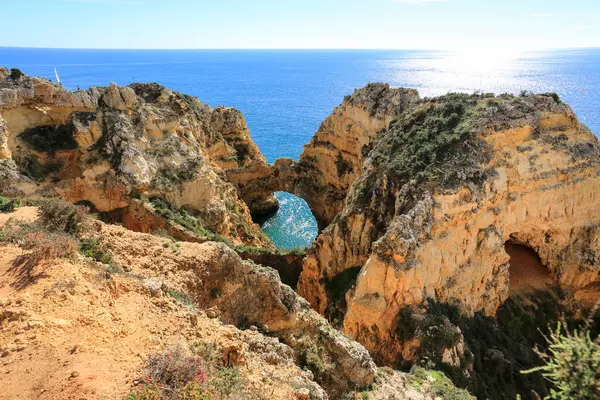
x: 461, y: 71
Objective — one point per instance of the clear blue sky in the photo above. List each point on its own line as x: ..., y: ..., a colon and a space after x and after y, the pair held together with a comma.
x: 398, y: 24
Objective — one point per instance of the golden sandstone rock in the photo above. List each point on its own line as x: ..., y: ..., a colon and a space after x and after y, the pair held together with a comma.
x: 424, y: 205
x: 105, y: 146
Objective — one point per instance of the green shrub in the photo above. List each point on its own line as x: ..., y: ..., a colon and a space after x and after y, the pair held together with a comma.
x: 59, y: 216
x: 312, y: 360
x: 176, y: 367
x: 227, y: 382
x: 16, y: 74
x: 180, y: 297
x: 434, y: 144
x: 41, y: 245
x: 184, y: 374
x: 95, y: 248
x: 572, y: 365
x: 183, y: 218
x: 9, y: 205
x: 437, y: 383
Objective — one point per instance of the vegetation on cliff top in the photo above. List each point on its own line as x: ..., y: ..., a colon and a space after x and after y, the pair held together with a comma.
x: 434, y: 143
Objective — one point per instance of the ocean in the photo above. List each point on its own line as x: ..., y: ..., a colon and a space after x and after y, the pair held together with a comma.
x: 286, y: 94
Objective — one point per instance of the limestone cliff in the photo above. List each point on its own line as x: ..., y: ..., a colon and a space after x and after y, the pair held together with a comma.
x: 443, y: 189
x: 108, y: 145
x: 99, y: 329
x: 334, y: 157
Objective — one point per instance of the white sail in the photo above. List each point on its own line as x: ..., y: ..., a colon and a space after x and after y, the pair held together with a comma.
x: 57, y: 78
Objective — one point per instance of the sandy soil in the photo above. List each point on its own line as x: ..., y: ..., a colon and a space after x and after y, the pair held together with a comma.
x: 76, y: 332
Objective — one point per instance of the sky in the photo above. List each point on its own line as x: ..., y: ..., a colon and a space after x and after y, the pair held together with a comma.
x: 310, y: 24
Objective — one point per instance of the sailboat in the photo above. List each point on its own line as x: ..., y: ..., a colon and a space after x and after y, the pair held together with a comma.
x: 57, y: 78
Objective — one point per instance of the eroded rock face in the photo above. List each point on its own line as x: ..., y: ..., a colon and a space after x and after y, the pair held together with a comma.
x: 443, y: 189
x: 107, y: 145
x: 334, y: 157
x: 245, y: 294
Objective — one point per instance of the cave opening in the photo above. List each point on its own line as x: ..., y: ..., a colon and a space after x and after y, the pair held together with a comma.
x: 526, y: 270
x: 293, y: 226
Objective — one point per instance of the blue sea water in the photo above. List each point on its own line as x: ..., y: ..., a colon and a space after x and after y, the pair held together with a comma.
x: 285, y: 94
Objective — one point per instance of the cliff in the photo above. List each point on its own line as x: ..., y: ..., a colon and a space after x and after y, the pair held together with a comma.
x: 106, y: 146
x: 451, y: 229
x: 445, y: 187
x: 334, y: 157
x: 110, y: 313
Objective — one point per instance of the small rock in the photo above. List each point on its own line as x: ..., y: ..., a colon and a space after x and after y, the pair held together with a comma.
x: 302, y: 394
x: 212, y: 313
x: 253, y: 328
x: 74, y: 374
x: 153, y: 286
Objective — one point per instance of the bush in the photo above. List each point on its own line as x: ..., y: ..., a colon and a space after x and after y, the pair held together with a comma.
x: 16, y: 74
x: 9, y: 205
x: 312, y: 360
x: 175, y: 368
x: 53, y: 235
x: 59, y: 216
x: 572, y: 365
x: 182, y: 217
x: 43, y: 245
x: 228, y: 381
x: 434, y: 144
x: 95, y: 248
x: 184, y: 374
x: 437, y: 383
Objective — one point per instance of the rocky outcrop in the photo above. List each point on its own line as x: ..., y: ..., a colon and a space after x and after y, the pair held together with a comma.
x: 245, y: 294
x: 108, y: 145
x: 334, y: 157
x: 443, y: 189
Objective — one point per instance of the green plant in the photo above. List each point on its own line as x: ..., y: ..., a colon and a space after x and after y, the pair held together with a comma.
x: 182, y: 298
x: 572, y: 364
x: 146, y: 392
x: 59, y: 216
x: 437, y: 383
x: 434, y: 144
x: 183, y: 218
x: 176, y: 367
x: 312, y: 360
x: 96, y: 249
x: 193, y: 391
x: 227, y: 382
x: 9, y: 205
x: 16, y: 74
x: 40, y: 243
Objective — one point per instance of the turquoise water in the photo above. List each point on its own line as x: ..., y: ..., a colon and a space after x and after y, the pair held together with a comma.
x: 291, y: 227
x: 285, y: 94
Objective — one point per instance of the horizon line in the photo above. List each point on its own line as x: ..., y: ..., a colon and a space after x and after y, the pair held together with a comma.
x: 287, y: 49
